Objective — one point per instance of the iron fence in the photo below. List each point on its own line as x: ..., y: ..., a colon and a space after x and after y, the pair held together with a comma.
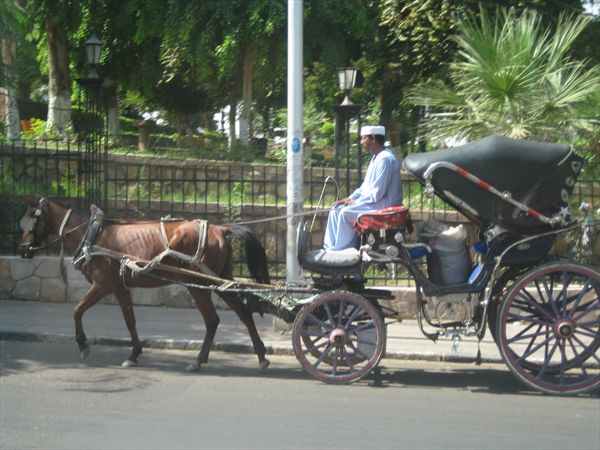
x: 222, y: 192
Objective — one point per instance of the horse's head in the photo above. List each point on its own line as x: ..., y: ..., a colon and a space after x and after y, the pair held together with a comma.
x: 34, y: 226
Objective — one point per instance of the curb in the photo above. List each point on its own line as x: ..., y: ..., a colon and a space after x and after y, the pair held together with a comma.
x: 186, y: 344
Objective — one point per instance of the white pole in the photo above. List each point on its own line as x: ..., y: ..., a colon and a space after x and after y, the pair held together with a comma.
x: 295, y: 158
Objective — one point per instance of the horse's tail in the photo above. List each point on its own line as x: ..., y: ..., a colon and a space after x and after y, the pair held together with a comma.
x: 256, y: 256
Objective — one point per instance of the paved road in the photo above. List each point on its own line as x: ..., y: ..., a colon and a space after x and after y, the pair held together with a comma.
x: 52, y: 400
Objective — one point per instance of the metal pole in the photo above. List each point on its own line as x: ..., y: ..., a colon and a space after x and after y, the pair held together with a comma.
x: 294, y: 134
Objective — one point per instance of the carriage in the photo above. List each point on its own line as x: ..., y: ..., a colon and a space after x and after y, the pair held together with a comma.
x: 542, y: 310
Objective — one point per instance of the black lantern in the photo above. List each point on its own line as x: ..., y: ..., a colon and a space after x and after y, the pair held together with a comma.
x: 93, y: 47
x: 347, y: 80
x: 344, y: 113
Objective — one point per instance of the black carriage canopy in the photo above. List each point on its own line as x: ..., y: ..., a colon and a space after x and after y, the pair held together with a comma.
x: 539, y: 175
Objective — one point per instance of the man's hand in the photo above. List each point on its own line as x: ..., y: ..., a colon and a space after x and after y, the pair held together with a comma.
x: 345, y: 202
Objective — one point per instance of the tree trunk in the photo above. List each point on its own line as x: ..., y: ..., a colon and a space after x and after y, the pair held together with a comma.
x: 387, y: 119
x: 9, y: 112
x: 248, y: 75
x: 113, y: 122
x: 232, y: 117
x: 59, y: 81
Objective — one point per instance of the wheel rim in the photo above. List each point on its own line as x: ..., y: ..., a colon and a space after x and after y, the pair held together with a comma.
x: 548, y: 329
x: 338, y: 338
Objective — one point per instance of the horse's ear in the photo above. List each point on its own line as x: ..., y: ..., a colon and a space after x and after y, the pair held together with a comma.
x: 31, y: 200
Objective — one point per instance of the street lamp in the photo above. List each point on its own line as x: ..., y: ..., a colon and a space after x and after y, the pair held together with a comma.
x: 91, y: 127
x: 347, y: 80
x: 344, y: 112
x: 93, y: 47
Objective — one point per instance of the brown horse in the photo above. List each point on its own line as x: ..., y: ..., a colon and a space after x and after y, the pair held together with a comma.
x: 144, y: 241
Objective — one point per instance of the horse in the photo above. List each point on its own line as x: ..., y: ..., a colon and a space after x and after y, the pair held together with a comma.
x: 143, y: 241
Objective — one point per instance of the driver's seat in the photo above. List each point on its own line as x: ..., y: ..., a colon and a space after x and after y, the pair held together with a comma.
x: 338, y: 263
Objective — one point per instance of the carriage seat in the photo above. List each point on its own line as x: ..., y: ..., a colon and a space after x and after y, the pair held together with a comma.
x: 333, y: 258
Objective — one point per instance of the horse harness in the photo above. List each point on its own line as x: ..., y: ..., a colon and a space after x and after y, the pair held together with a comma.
x: 194, y: 261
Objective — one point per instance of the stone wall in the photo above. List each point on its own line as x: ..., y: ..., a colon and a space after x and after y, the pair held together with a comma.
x: 50, y: 279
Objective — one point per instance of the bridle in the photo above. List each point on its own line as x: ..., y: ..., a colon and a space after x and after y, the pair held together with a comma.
x: 29, y: 222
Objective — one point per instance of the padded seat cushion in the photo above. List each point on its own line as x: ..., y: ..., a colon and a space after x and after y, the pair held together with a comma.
x: 333, y: 258
x: 391, y: 217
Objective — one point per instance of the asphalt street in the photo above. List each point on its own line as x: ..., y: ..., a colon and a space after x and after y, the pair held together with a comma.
x: 50, y: 399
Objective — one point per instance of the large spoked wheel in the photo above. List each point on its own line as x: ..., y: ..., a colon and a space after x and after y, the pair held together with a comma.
x: 339, y: 337
x: 549, y: 328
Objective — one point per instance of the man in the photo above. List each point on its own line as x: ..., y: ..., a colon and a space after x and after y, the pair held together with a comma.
x: 381, y: 188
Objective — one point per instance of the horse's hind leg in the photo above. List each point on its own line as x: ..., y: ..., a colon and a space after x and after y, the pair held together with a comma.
x: 211, y: 321
x: 91, y: 297
x: 234, y: 302
x: 124, y: 297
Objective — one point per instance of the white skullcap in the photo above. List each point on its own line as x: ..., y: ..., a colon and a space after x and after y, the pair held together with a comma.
x: 369, y: 130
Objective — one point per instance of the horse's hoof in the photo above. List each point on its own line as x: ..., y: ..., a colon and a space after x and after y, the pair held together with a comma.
x: 262, y: 365
x: 85, y: 352
x: 129, y: 363
x: 193, y: 367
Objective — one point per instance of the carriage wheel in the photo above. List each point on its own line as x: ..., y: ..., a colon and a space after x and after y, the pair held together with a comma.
x: 549, y: 328
x: 339, y: 337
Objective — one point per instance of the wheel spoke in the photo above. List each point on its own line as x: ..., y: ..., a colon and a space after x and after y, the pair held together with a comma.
x: 546, y: 361
x: 341, y: 313
x: 563, y: 293
x: 315, y: 347
x: 526, y: 336
x: 584, y: 290
x: 315, y: 320
x: 591, y: 323
x: 530, y: 351
x: 530, y: 300
x: 589, y: 333
x: 563, y: 360
x: 323, y: 355
x: 353, y: 315
x: 550, y: 298
x: 329, y: 315
x: 335, y: 361
x: 587, y: 310
x: 348, y: 359
x: 577, y: 355
x: 518, y: 317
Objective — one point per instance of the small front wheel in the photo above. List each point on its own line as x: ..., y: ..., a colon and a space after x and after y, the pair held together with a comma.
x: 339, y: 337
x: 549, y: 328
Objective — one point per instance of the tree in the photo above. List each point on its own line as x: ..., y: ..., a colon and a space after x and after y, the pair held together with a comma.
x: 11, y: 16
x: 514, y: 78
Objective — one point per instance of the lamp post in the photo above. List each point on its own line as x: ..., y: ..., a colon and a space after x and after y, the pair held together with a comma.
x: 91, y: 127
x: 344, y: 112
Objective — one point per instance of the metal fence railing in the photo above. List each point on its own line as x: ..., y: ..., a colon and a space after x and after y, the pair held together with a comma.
x: 222, y: 192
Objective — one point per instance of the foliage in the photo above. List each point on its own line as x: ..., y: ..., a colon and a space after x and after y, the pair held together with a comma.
x: 512, y: 78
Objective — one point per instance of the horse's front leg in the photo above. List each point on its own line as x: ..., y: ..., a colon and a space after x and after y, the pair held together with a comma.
x: 124, y: 297
x: 211, y: 321
x: 234, y: 302
x: 92, y: 297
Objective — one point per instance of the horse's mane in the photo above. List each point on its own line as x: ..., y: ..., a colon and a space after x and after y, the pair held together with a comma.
x: 116, y: 220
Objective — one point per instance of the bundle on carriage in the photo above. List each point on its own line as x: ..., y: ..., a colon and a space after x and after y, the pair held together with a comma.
x: 543, y: 311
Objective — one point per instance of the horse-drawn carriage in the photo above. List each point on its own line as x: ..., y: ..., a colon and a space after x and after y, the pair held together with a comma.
x: 542, y: 311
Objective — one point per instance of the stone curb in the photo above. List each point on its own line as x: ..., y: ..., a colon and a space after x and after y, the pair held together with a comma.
x: 184, y: 344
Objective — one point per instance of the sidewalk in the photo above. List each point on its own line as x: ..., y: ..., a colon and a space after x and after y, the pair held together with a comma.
x: 183, y: 328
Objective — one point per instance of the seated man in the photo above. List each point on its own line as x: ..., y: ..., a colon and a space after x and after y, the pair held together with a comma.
x: 381, y: 188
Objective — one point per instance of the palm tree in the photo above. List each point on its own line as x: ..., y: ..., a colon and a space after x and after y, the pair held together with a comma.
x: 514, y: 78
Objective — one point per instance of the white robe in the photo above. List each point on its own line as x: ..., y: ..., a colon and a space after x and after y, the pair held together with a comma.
x: 381, y: 188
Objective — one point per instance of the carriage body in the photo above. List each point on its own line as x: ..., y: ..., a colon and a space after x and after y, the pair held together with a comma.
x: 542, y: 311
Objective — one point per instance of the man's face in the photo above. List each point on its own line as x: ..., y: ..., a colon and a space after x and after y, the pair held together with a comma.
x: 368, y: 142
